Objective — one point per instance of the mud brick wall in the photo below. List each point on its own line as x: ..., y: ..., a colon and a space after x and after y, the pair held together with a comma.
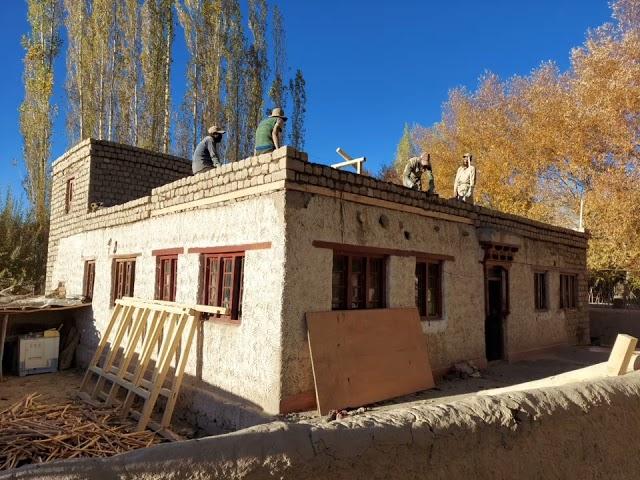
x: 120, y: 173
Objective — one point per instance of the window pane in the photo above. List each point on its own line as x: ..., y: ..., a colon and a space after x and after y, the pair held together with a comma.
x: 356, y: 282
x: 240, y: 266
x: 339, y: 283
x: 374, y: 283
x: 434, y: 301
x: 211, y: 281
x: 421, y: 288
x: 227, y: 283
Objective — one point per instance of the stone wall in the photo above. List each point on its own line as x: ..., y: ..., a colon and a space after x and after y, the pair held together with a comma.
x: 580, y: 430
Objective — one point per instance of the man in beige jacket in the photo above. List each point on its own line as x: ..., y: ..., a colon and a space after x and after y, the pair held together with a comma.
x: 465, y: 181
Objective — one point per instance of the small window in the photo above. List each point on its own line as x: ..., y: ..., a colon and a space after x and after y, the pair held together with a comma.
x: 68, y: 198
x: 166, y: 275
x: 428, y: 283
x: 223, y: 278
x: 540, y: 290
x: 124, y: 277
x: 357, y: 282
x: 568, y: 291
x: 89, y: 279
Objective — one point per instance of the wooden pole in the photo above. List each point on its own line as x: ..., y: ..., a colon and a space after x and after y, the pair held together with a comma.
x: 3, y: 336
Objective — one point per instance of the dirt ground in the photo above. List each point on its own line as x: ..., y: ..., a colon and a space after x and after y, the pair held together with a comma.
x: 499, y: 374
x: 62, y: 386
x: 58, y: 387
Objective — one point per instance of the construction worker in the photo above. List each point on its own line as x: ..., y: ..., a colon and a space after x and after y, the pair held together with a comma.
x: 269, y: 132
x: 416, y: 168
x: 465, y: 180
x: 205, y: 156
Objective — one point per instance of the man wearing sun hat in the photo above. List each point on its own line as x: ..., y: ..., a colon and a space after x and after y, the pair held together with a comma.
x: 205, y: 156
x: 269, y: 132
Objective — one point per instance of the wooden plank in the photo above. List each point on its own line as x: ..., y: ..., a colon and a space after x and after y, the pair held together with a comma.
x: 102, y: 345
x: 364, y: 356
x: 177, y: 379
x: 143, y: 315
x: 173, y: 307
x: 168, y: 352
x: 349, y: 248
x: 621, y: 354
x: 115, y: 347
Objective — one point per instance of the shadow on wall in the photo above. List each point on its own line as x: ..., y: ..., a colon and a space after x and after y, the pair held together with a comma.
x: 606, y: 323
x: 200, y: 404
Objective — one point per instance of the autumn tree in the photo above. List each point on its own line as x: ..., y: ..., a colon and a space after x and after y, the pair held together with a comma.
x: 42, y: 46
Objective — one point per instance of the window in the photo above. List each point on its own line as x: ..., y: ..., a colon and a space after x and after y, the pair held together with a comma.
x: 89, y: 279
x: 68, y: 198
x: 540, y: 290
x: 124, y: 277
x: 357, y: 282
x: 223, y: 282
x: 166, y: 275
x: 429, y: 289
x: 568, y: 291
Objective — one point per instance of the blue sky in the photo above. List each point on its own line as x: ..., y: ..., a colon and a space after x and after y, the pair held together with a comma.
x: 370, y: 66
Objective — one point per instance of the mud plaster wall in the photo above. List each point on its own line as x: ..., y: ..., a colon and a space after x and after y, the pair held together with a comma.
x: 581, y: 430
x: 460, y: 333
x: 244, y: 359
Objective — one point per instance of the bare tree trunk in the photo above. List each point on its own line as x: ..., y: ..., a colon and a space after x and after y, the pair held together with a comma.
x: 101, y: 95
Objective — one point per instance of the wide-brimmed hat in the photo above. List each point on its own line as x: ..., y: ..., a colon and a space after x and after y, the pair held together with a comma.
x: 278, y: 112
x: 215, y: 129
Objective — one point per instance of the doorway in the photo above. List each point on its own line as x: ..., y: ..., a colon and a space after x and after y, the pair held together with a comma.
x: 497, y: 299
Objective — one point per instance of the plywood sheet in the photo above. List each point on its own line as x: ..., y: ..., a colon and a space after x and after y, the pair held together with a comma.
x: 365, y: 356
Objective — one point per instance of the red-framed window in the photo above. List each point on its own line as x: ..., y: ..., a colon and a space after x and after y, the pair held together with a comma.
x: 89, y: 279
x: 223, y: 279
x: 358, y: 281
x: 568, y: 291
x: 166, y: 277
x: 124, y: 277
x: 428, y: 283
x: 68, y: 196
x: 540, y: 290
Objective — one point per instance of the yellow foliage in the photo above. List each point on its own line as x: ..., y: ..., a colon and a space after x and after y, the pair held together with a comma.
x: 546, y: 141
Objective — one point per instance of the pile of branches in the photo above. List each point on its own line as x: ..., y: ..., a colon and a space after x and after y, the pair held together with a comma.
x: 33, y: 432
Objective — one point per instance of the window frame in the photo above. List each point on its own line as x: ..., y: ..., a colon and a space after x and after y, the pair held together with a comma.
x: 68, y: 195
x: 347, y: 297
x: 423, y: 297
x: 88, y: 280
x: 568, y: 293
x: 161, y: 286
x: 116, y: 280
x: 537, y: 293
x: 236, y: 286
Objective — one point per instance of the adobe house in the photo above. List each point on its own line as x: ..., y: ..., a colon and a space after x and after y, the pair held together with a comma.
x: 273, y: 237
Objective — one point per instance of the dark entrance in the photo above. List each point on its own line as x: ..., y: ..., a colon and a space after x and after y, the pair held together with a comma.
x: 497, y: 311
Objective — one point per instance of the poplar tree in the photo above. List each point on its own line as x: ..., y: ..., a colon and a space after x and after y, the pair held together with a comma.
x: 404, y: 151
x: 297, y: 87
x: 277, y: 90
x: 42, y: 45
x: 257, y: 71
x: 157, y: 43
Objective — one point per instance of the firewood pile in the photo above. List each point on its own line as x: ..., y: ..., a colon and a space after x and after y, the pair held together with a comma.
x: 35, y: 432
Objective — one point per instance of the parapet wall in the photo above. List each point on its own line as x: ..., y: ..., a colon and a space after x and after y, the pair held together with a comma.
x: 581, y: 430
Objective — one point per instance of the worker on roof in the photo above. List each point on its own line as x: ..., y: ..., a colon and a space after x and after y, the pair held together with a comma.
x: 205, y: 156
x: 269, y: 132
x: 417, y: 169
x: 465, y: 181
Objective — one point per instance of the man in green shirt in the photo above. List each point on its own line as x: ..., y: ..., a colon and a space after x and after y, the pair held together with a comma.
x: 269, y: 132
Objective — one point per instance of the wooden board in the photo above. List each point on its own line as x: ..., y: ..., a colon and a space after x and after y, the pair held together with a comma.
x: 621, y: 354
x: 365, y: 356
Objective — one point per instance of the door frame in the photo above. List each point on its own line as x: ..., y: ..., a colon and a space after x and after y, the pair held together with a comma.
x: 487, y: 267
